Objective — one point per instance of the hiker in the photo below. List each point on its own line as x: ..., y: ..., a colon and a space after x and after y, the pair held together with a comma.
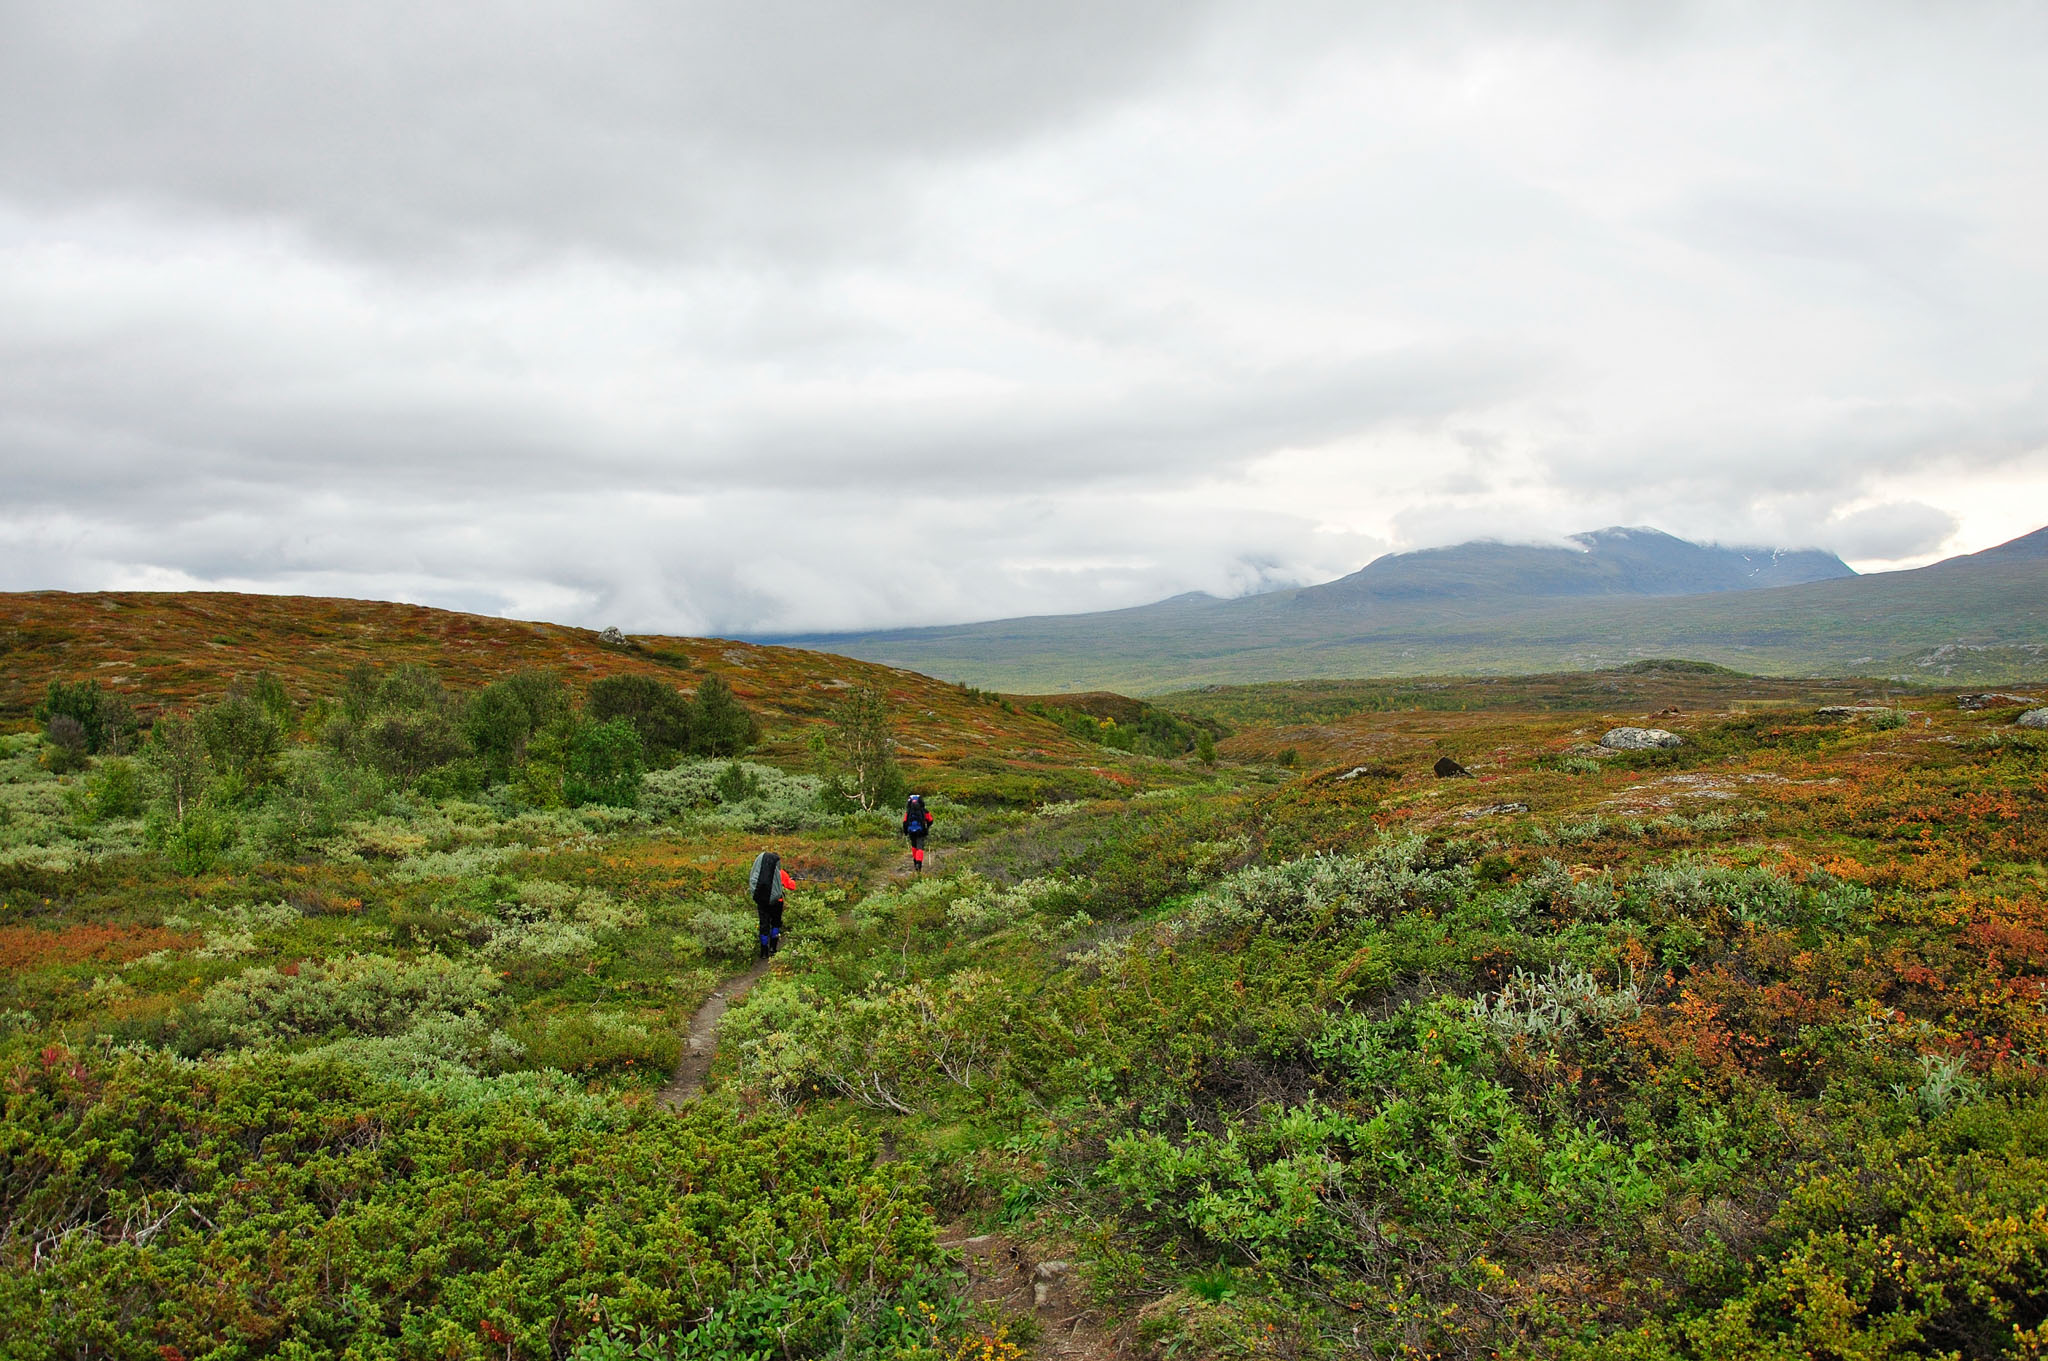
x: 917, y: 824
x: 767, y: 883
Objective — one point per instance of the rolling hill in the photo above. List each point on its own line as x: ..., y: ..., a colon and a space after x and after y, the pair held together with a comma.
x: 1496, y: 609
x: 169, y: 650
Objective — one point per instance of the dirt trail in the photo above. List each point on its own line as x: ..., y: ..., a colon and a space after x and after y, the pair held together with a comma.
x: 701, y: 1045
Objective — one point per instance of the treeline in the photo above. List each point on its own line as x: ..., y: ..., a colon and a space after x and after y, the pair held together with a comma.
x: 1148, y: 732
x: 257, y: 763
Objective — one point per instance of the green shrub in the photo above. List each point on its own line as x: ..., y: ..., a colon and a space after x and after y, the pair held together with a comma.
x: 243, y: 738
x: 196, y: 842
x: 1933, y: 1243
x: 500, y: 719
x: 725, y: 933
x: 742, y: 795
x: 736, y: 784
x: 353, y: 995
x: 659, y: 713
x: 306, y: 1208
x: 405, y: 744
x: 604, y: 765
x: 310, y: 798
x: 402, y: 725
x: 115, y: 790
x: 106, y: 725
x: 594, y: 1043
x: 1328, y: 892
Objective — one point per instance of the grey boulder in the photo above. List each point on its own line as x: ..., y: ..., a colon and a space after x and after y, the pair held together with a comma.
x: 1640, y: 739
x: 2034, y: 718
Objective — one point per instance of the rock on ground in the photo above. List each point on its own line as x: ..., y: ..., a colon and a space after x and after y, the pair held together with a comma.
x: 2034, y: 718
x: 1993, y: 700
x: 1640, y: 739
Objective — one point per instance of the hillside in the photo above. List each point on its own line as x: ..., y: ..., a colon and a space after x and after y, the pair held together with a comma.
x: 168, y: 650
x: 1501, y: 610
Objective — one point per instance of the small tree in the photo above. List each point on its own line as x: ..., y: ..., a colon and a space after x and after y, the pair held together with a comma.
x: 403, y: 724
x: 864, y: 750
x: 268, y: 691
x: 720, y: 724
x: 242, y: 737
x: 406, y: 744
x: 412, y: 688
x: 104, y: 719
x: 542, y: 692
x: 501, y: 719
x: 657, y: 711
x: 177, y: 754
x: 359, y: 693
x: 497, y: 726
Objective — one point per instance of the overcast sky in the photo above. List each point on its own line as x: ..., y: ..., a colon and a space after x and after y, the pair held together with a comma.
x: 760, y: 316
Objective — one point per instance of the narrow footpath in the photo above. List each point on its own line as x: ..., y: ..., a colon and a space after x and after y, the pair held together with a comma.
x: 701, y: 1045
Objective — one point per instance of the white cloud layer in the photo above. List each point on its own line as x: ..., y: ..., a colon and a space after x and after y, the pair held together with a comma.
x: 746, y: 317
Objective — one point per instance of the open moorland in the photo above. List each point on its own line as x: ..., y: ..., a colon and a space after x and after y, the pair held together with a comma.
x: 347, y: 953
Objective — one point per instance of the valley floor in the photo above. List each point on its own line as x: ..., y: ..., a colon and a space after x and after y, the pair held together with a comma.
x: 1731, y: 1049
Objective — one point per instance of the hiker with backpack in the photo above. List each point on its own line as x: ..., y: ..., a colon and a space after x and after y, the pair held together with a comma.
x: 767, y: 882
x: 917, y: 824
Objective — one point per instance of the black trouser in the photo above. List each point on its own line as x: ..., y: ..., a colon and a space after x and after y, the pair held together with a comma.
x: 771, y: 926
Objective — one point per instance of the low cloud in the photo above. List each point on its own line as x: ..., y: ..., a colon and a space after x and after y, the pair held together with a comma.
x: 1892, y: 532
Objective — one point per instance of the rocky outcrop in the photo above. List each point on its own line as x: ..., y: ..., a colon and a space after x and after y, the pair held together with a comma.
x: 1993, y: 700
x: 1640, y: 739
x: 2034, y: 718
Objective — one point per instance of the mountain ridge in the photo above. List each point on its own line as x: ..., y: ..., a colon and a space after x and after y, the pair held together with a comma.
x: 1490, y: 609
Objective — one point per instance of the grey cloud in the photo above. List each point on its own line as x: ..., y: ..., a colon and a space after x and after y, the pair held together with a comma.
x: 720, y: 125
x: 1890, y: 532
x: 552, y: 310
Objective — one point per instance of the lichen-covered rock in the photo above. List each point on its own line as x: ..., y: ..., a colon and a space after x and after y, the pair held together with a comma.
x: 1640, y: 739
x: 2034, y: 718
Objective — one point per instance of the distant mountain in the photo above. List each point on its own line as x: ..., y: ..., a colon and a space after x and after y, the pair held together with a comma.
x: 1616, y: 595
x: 1613, y: 561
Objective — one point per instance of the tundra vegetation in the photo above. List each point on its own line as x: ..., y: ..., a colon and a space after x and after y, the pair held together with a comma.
x: 334, y: 1006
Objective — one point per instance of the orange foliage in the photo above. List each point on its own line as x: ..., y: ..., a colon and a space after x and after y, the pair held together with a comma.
x: 31, y: 947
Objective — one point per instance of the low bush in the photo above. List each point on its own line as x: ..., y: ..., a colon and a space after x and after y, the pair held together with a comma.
x: 594, y: 1043
x: 279, y: 1207
x: 723, y: 932
x: 351, y: 996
